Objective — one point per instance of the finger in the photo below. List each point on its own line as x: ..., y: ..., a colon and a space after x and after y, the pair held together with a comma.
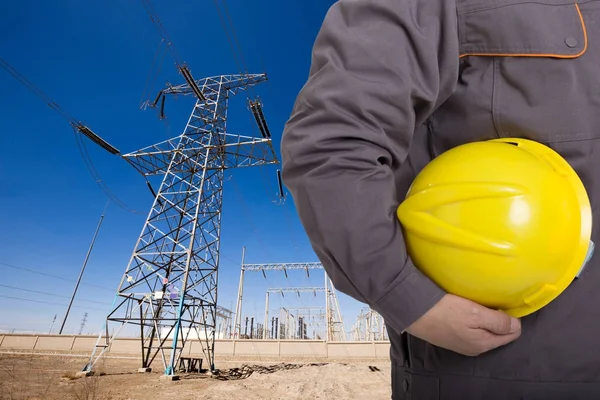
x: 498, y: 322
x: 492, y: 340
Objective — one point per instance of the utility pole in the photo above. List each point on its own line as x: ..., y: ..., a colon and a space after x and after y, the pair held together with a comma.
x: 237, y: 328
x: 328, y: 335
x: 230, y: 326
x: 266, y: 323
x: 169, y: 287
x: 87, y: 256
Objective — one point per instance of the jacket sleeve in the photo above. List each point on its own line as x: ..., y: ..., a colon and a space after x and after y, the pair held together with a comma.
x: 379, y: 69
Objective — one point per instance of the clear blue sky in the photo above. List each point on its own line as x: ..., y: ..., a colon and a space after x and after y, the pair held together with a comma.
x: 93, y: 58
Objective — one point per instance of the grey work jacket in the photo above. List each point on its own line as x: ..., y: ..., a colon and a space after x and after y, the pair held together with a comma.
x: 394, y: 83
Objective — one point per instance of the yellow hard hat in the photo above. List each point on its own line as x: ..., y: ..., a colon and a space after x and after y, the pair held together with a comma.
x: 505, y: 223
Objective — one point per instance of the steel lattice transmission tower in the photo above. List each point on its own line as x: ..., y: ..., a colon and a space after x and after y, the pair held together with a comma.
x: 169, y: 288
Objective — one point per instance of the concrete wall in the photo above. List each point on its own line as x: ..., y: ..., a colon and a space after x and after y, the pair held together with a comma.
x: 223, y: 347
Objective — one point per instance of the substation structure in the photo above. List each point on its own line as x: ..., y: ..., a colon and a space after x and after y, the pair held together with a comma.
x: 296, y: 323
x: 369, y: 326
x: 291, y: 324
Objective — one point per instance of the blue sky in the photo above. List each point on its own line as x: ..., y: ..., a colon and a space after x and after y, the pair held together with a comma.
x: 93, y: 59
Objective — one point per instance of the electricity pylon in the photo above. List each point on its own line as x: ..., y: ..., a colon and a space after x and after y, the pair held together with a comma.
x: 169, y: 287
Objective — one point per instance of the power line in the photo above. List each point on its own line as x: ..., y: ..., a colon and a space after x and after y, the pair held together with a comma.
x: 162, y: 31
x: 239, y: 63
x: 153, y: 73
x: 234, y: 44
x: 234, y: 34
x: 84, y: 130
x: 35, y: 90
x: 50, y: 294
x: 183, y: 69
x: 79, y: 129
x: 52, y: 276
x: 96, y: 176
x: 46, y: 302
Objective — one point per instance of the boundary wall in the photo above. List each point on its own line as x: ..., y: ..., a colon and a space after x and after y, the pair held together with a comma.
x: 317, y: 349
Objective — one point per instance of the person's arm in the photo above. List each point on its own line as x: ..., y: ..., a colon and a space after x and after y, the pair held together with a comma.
x: 379, y: 70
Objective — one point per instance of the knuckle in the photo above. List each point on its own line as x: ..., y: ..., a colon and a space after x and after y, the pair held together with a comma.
x: 474, y: 316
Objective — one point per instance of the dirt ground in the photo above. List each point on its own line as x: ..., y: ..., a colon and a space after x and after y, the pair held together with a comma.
x: 53, y: 377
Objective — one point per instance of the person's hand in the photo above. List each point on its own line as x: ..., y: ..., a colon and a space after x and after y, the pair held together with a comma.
x: 465, y: 327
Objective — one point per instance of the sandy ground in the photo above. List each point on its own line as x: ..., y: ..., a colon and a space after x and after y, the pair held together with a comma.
x: 53, y: 377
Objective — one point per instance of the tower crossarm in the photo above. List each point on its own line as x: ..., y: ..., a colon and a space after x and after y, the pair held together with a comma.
x: 295, y: 289
x: 153, y: 159
x: 282, y: 266
x: 230, y: 83
x: 245, y: 151
x: 236, y: 150
x: 204, y: 131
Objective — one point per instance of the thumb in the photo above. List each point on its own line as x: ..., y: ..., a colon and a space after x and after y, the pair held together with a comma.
x: 498, y: 322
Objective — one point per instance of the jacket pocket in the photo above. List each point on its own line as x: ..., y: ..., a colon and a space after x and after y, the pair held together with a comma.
x: 551, y: 29
x: 542, y: 68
